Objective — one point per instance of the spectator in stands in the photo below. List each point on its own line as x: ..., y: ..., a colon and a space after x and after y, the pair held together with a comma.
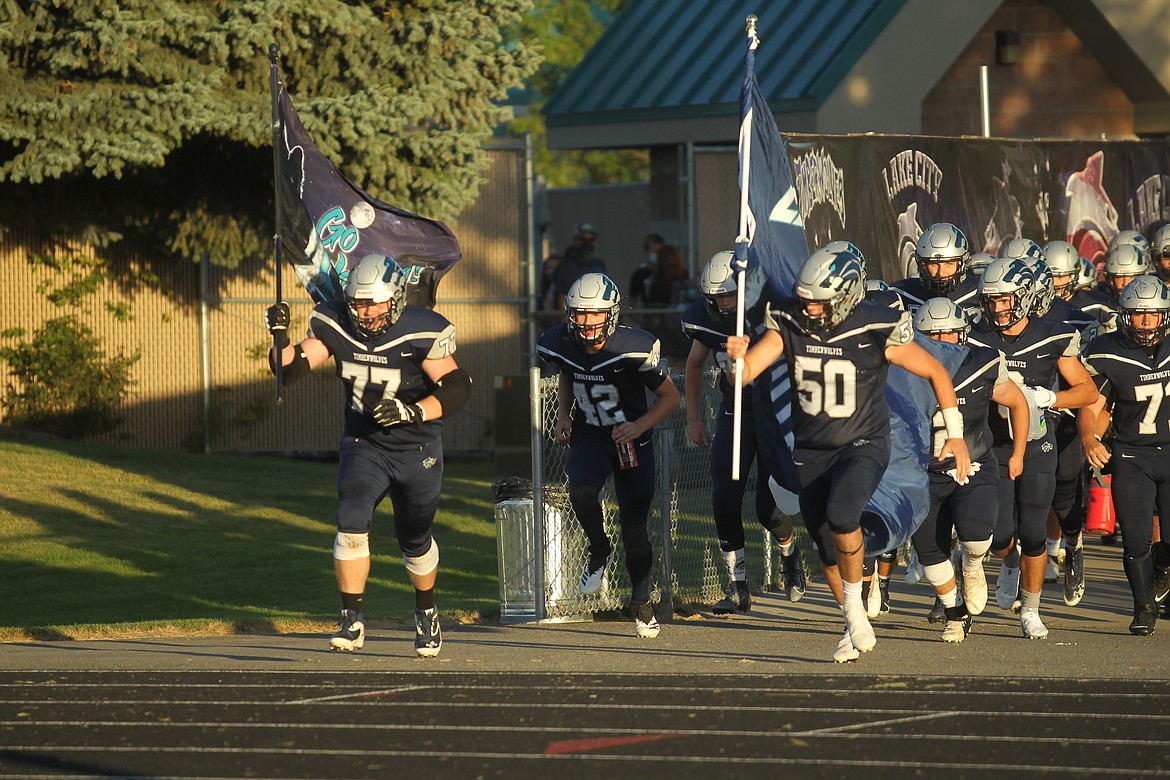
x: 640, y: 280
x: 576, y: 261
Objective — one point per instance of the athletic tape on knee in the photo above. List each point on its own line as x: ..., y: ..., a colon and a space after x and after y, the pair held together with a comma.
x: 425, y: 563
x: 974, y: 551
x: 351, y: 547
x: 939, y: 573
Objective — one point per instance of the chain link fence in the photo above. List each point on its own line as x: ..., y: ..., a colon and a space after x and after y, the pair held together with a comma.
x: 541, y: 564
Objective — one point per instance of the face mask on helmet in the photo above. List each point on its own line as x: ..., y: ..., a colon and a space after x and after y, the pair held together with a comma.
x: 375, y: 292
x: 1065, y: 262
x: 592, y: 308
x: 939, y: 316
x: 830, y: 285
x: 716, y: 283
x: 1144, y: 314
x: 942, y: 253
x: 1005, y: 291
x: 1086, y: 275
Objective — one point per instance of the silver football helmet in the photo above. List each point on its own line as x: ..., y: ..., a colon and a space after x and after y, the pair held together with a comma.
x: 942, y: 315
x: 375, y: 279
x: 1132, y: 238
x: 1065, y: 262
x: 1161, y: 245
x: 1024, y: 248
x: 1146, y: 294
x: 834, y: 275
x: 942, y: 242
x: 980, y: 261
x: 1124, y: 261
x: 1007, y: 277
x: 718, y: 279
x: 593, y: 292
x: 1087, y: 275
x: 1043, y: 290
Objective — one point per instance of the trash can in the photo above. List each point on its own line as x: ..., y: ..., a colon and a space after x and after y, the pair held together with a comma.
x: 517, y: 555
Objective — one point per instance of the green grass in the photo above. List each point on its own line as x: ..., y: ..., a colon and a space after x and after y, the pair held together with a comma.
x: 104, y: 541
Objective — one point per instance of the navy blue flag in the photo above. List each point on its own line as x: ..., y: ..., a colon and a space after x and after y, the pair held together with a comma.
x: 327, y: 223
x: 778, y: 247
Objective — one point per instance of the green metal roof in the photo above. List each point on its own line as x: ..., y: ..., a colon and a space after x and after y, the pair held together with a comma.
x: 677, y: 59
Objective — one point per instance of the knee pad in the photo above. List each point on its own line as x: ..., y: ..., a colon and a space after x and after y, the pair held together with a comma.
x: 975, y: 551
x: 351, y: 547
x: 939, y: 573
x: 636, y: 540
x: 424, y: 564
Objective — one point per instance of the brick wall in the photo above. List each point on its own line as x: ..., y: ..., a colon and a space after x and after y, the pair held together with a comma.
x: 1056, y: 89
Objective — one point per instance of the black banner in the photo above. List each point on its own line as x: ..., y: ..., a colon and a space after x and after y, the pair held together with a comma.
x: 881, y: 192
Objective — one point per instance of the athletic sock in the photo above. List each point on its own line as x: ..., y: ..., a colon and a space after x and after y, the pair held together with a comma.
x: 950, y: 598
x: 736, y: 567
x: 852, y: 595
x: 352, y: 601
x: 1029, y: 600
x: 424, y: 599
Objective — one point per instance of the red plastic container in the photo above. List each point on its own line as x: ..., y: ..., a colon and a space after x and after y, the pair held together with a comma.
x: 1100, y: 520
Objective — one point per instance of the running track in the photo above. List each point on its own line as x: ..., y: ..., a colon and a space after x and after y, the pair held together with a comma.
x: 363, y: 724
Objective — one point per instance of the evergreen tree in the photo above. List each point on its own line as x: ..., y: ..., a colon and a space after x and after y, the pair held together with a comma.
x: 152, y: 117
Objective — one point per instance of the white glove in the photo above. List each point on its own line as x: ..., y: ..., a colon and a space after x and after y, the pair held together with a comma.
x: 954, y: 473
x: 1042, y: 397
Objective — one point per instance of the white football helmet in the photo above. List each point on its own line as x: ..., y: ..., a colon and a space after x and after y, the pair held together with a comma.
x: 593, y: 292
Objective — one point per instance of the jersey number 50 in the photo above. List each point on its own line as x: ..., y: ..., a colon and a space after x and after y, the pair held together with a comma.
x: 828, y: 386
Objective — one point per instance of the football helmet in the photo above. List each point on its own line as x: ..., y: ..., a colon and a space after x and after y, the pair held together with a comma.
x: 1043, y: 290
x: 1146, y: 294
x: 1123, y: 261
x: 1007, y: 277
x: 1087, y: 275
x: 942, y: 242
x: 1132, y: 238
x: 718, y: 279
x: 375, y: 279
x: 1065, y: 262
x: 1161, y: 245
x: 942, y: 315
x: 979, y: 261
x: 834, y: 275
x: 593, y: 292
x: 1024, y: 248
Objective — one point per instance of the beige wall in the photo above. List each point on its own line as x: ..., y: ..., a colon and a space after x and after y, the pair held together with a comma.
x: 483, y: 296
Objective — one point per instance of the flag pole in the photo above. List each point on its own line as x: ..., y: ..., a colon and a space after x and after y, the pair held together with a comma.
x: 277, y: 240
x: 741, y: 248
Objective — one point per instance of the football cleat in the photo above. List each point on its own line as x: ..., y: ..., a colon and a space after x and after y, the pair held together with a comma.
x: 792, y: 573
x: 428, y: 637
x: 1144, y: 618
x: 645, y: 622
x: 1031, y: 624
x: 958, y: 624
x: 593, y: 578
x: 351, y: 632
x: 737, y: 598
x: 1074, y: 576
x: 845, y: 652
x: 937, y: 613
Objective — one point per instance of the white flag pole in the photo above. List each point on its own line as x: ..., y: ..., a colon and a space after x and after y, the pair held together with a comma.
x: 745, y: 146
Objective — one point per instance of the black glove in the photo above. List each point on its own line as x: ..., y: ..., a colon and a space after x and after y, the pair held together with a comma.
x: 391, y: 411
x: 277, y: 317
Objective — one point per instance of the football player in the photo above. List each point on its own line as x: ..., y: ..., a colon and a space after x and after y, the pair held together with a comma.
x: 605, y: 371
x: 839, y: 349
x: 708, y: 322
x: 397, y: 363
x: 943, y: 254
x: 1160, y: 253
x: 1037, y: 350
x: 981, y: 378
x: 1132, y: 367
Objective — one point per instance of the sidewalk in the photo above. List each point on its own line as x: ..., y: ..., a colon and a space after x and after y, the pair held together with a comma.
x: 1087, y: 641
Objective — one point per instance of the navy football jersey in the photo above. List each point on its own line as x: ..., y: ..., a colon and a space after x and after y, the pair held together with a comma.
x: 609, y: 386
x: 700, y: 326
x: 840, y: 377
x: 976, y: 378
x: 1070, y: 315
x: 914, y: 293
x: 1136, y: 384
x: 386, y: 366
x: 1031, y: 358
x: 1098, y: 305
